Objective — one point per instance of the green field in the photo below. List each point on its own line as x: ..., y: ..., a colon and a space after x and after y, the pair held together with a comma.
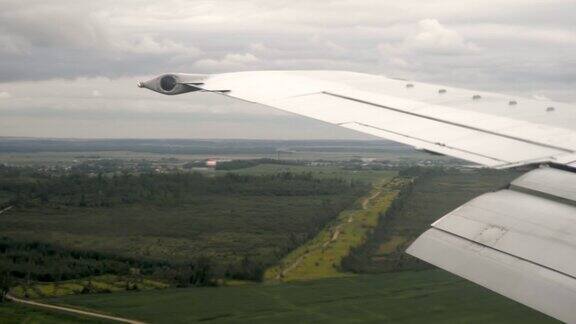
x: 431, y: 296
x: 5, y: 198
x: 17, y: 314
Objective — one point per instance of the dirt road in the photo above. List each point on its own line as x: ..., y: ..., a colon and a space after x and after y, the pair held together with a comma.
x: 71, y: 310
x: 6, y: 209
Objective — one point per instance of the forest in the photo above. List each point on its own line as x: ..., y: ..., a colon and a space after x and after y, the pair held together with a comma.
x: 83, y: 190
x: 243, y: 164
x: 187, y: 229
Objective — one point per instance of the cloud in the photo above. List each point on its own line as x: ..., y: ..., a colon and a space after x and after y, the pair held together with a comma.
x: 12, y: 45
x: 231, y: 61
x: 147, y: 44
x: 436, y: 38
x: 63, y: 25
x: 527, y: 35
x: 431, y: 38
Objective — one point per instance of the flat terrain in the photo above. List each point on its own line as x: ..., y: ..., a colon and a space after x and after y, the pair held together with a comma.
x: 11, y: 313
x: 57, y: 158
x: 431, y: 296
x: 55, y: 152
x: 113, y: 223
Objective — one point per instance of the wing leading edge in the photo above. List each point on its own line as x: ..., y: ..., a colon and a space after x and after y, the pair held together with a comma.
x: 518, y: 242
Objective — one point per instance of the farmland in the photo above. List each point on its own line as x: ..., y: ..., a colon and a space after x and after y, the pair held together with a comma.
x: 431, y: 296
x: 17, y: 314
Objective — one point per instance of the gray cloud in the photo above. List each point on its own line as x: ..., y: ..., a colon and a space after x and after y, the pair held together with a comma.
x: 66, y: 61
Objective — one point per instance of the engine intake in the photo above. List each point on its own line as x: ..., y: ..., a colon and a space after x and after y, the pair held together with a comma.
x: 168, y: 83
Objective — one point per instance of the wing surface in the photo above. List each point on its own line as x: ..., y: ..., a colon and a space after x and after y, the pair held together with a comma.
x: 489, y: 129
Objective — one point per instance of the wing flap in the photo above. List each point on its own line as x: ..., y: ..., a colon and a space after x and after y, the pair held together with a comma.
x: 530, y: 227
x: 549, y: 182
x: 519, y: 242
x: 543, y: 289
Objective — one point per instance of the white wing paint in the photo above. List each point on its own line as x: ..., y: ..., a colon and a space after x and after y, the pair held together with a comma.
x: 519, y: 242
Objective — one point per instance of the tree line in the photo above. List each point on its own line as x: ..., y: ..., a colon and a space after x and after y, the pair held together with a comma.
x: 83, y: 190
x: 23, y: 263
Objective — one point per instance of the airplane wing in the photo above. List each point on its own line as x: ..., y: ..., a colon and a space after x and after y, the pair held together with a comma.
x: 519, y: 241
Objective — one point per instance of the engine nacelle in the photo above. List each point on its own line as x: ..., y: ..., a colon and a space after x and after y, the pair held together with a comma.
x: 174, y: 83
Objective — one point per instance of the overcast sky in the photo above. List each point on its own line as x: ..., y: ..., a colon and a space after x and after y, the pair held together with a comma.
x: 68, y: 68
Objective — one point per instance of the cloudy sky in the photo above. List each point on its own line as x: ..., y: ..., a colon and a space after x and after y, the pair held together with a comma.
x: 68, y: 68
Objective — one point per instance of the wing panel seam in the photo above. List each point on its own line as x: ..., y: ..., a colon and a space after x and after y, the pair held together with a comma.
x: 448, y: 122
x: 506, y: 253
x: 426, y: 141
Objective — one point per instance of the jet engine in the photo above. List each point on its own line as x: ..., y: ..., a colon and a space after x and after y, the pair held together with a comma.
x: 175, y: 83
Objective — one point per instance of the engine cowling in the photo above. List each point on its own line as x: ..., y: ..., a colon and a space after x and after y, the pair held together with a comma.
x: 174, y: 83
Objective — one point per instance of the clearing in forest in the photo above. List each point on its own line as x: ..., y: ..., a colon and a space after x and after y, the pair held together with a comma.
x: 321, y: 256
